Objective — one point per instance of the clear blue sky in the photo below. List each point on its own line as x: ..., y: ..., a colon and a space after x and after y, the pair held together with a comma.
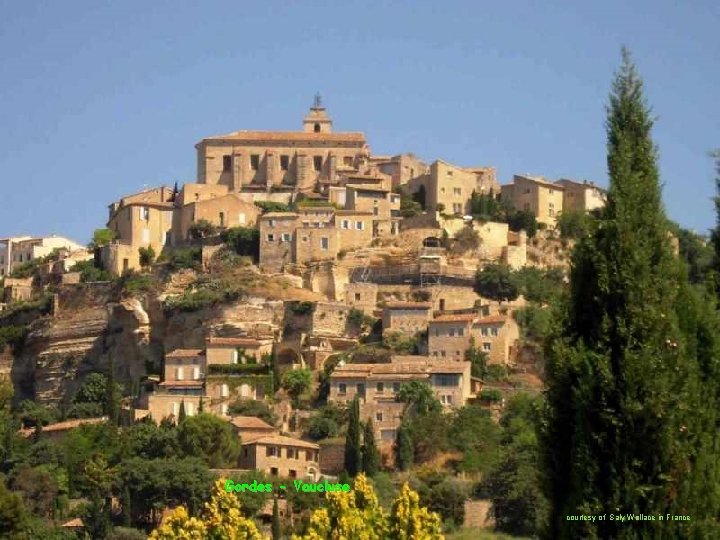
x: 98, y: 99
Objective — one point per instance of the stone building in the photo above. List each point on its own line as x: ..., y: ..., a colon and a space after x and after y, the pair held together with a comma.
x: 408, y: 318
x: 584, y: 196
x: 16, y: 251
x: 282, y: 456
x: 401, y: 168
x: 17, y: 289
x: 378, y: 201
x: 237, y: 350
x: 451, y: 335
x: 251, y: 427
x: 143, y: 219
x: 449, y: 188
x: 376, y: 386
x: 282, y: 161
x: 537, y: 195
x: 311, y: 234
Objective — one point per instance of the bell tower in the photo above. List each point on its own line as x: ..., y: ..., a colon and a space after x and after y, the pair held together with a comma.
x: 317, y: 120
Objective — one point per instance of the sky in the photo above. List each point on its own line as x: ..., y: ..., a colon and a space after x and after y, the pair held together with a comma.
x: 103, y: 99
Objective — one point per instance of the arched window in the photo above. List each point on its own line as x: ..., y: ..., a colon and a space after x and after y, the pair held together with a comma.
x: 316, y: 128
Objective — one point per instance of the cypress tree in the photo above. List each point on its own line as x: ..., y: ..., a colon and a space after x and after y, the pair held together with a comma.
x: 276, y: 533
x: 111, y: 400
x: 715, y: 236
x: 404, y: 449
x: 370, y: 453
x: 352, y: 440
x: 630, y: 422
x: 182, y: 414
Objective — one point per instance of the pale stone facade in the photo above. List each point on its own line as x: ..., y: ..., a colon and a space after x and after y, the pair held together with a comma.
x: 537, y: 195
x: 16, y: 251
x: 377, y: 384
x: 408, y: 318
x: 280, y: 456
x: 450, y: 336
x: 401, y: 168
x: 449, y: 188
x: 281, y: 161
x: 584, y: 196
x: 236, y: 350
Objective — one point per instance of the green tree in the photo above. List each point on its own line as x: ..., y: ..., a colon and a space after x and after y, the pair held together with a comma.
x: 404, y: 450
x: 418, y: 397
x: 477, y: 359
x: 244, y: 241
x: 370, y: 453
x: 715, y: 234
x: 146, y: 256
x: 572, y: 223
x: 296, y: 382
x: 495, y: 281
x: 211, y: 438
x: 102, y: 237
x: 353, y: 451
x: 420, y: 196
x: 13, y: 514
x: 523, y: 220
x: 182, y: 415
x: 276, y: 530
x: 632, y: 373
x: 202, y: 228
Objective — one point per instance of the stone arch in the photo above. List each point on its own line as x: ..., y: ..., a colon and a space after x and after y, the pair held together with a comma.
x: 432, y: 241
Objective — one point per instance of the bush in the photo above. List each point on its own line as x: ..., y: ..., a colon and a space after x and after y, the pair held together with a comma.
x: 572, y: 224
x: 491, y: 395
x: 400, y: 343
x: 302, y: 308
x: 202, y: 228
x: 467, y: 239
x: 243, y: 240
x: 271, y: 206
x: 523, y: 220
x: 535, y: 322
x: 321, y: 427
x: 180, y: 258
x: 496, y: 372
x: 251, y: 407
x: 147, y: 256
x: 132, y: 283
x: 11, y: 335
x: 496, y: 282
x: 238, y: 369
x: 89, y: 272
x: 102, y: 237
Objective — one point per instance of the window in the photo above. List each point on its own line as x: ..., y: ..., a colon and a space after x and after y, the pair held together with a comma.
x: 146, y: 236
x: 145, y: 213
x: 457, y: 208
x: 304, y: 238
x: 227, y: 163
x: 380, y: 387
x: 316, y: 128
x: 270, y: 237
x: 379, y: 416
x: 451, y: 332
x: 360, y: 388
x: 376, y: 211
x: 292, y: 473
x: 442, y: 190
x: 190, y: 409
x: 493, y: 331
x: 224, y: 390
x: 446, y: 380
x: 179, y: 374
x: 396, y: 387
x: 272, y: 451
x: 551, y: 192
x: 442, y: 353
x: 446, y: 399
x: 284, y: 163
x: 357, y: 296
x: 292, y: 453
x: 487, y: 346
x: 348, y: 161
x: 224, y: 411
x: 317, y: 163
x: 457, y: 191
x: 324, y: 243
x: 286, y: 237
x: 359, y: 225
x: 271, y: 223
x: 235, y: 356
x: 345, y: 223
x: 273, y: 471
x: 461, y: 331
x: 222, y: 219
x: 449, y: 173
x: 196, y: 373
x: 254, y: 161
x: 241, y: 218
x: 342, y: 388
x: 484, y: 331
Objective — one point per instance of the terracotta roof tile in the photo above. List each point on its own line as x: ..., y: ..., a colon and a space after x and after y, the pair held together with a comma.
x: 460, y: 317
x: 281, y: 440
x: 249, y: 422
x: 185, y: 353
x: 295, y: 136
x: 491, y: 319
x: 408, y: 305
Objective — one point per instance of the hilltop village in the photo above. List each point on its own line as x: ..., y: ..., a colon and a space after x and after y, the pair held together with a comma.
x: 298, y: 272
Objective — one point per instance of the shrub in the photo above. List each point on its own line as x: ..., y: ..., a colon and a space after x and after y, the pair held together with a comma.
x: 102, y: 237
x: 243, y: 240
x: 202, y: 228
x: 524, y: 220
x: 133, y: 283
x: 400, y: 343
x: 321, y: 427
x: 89, y: 272
x: 238, y: 369
x: 466, y: 239
x: 496, y: 372
x: 251, y: 407
x: 491, y: 395
x: 147, y: 256
x: 302, y: 308
x: 11, y: 335
x: 496, y: 282
x: 180, y: 258
x: 271, y: 206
